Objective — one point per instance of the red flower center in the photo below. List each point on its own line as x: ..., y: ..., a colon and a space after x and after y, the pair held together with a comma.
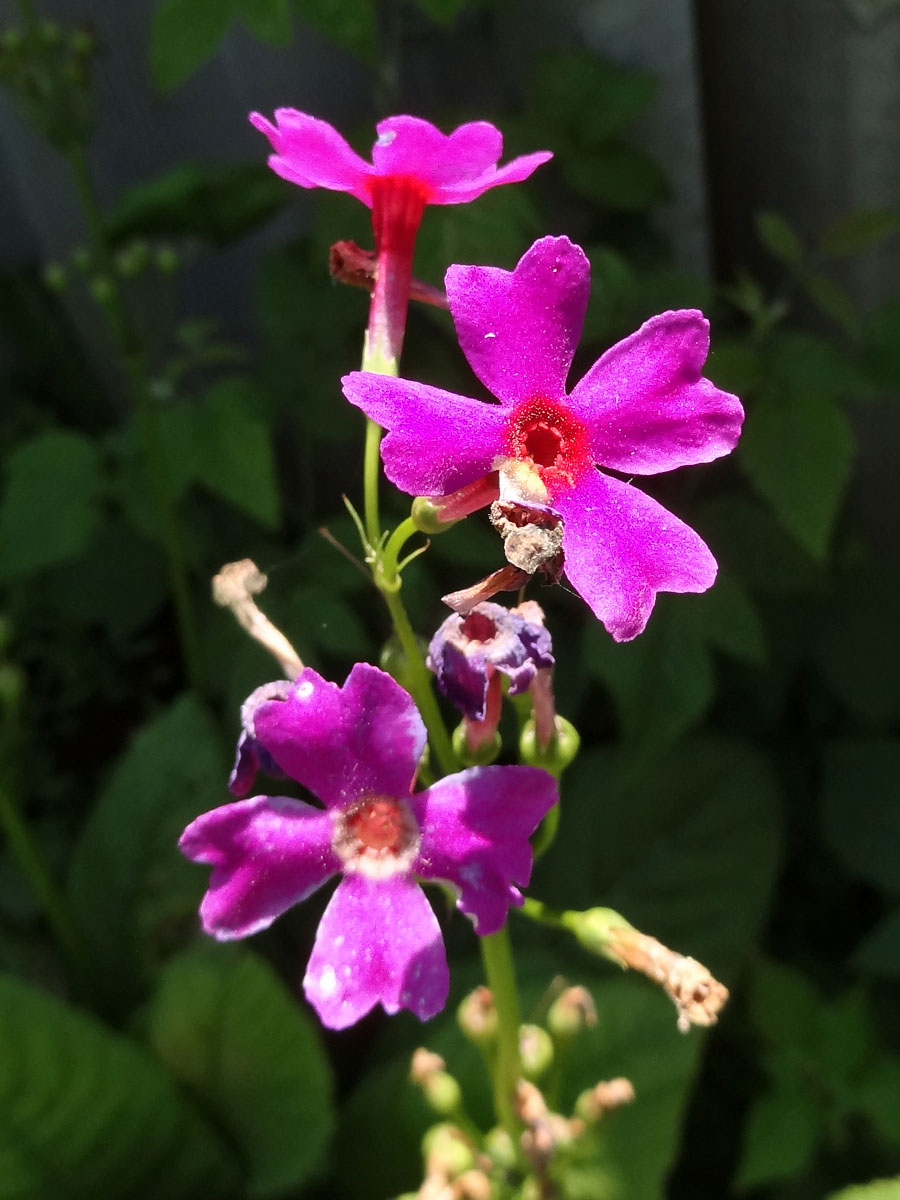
x: 379, y: 823
x: 477, y: 627
x: 550, y: 439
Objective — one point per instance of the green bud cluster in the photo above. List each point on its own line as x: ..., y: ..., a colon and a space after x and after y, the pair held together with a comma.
x: 47, y: 72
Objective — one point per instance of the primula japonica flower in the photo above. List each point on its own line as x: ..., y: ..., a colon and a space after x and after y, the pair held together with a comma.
x: 642, y: 408
x: 413, y: 165
x: 357, y: 748
x: 467, y: 652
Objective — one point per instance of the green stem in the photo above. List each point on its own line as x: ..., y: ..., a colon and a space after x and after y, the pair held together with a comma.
x: 31, y: 862
x: 371, y: 477
x: 496, y: 955
x: 154, y: 452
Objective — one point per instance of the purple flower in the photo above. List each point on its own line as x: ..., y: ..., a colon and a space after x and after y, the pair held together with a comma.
x: 642, y: 408
x: 410, y: 155
x: 357, y: 748
x: 467, y: 650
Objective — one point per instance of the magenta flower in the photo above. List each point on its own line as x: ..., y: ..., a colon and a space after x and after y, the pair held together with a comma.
x: 357, y: 748
x: 410, y: 156
x: 642, y: 408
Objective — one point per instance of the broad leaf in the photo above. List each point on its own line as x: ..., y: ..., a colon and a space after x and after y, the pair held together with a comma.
x: 226, y: 1027
x: 51, y: 506
x: 782, y: 1134
x: 591, y: 98
x: 778, y: 238
x: 797, y: 450
x: 270, y: 20
x: 184, y: 34
x: 131, y: 890
x: 84, y: 1114
x: 879, y: 952
x: 860, y: 813
x: 878, y: 1189
x: 858, y: 231
x: 350, y: 24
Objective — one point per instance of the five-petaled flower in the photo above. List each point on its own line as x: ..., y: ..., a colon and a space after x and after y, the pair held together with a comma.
x: 357, y: 748
x: 642, y: 408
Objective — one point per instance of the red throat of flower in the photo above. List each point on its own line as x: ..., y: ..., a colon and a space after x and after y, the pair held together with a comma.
x: 377, y: 836
x: 398, y: 203
x: 549, y: 439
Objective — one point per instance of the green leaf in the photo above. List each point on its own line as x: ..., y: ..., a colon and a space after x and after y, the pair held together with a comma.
x: 860, y: 813
x: 662, y: 682
x: 879, y: 953
x: 52, y: 502
x: 782, y: 1134
x: 881, y: 344
x: 217, y: 203
x: 617, y: 175
x: 589, y: 97
x: 878, y: 1189
x: 350, y: 24
x: 445, y: 12
x: 183, y: 35
x: 130, y: 888
x: 270, y: 20
x: 746, y: 536
x: 778, y: 238
x: 832, y: 300
x: 234, y: 452
x: 328, y: 623
x: 726, y: 618
x: 83, y: 1113
x: 797, y: 451
x: 685, y: 846
x: 876, y: 1094
x: 858, y: 231
x: 500, y: 225
x: 228, y: 1029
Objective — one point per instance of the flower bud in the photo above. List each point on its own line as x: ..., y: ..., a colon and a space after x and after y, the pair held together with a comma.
x: 55, y: 277
x: 572, y: 1011
x: 560, y: 752
x: 499, y: 1148
x: 426, y: 516
x: 477, y: 1017
x: 167, y: 260
x: 480, y: 755
x: 594, y: 1103
x: 447, y: 1151
x: 535, y: 1051
x: 102, y: 289
x: 442, y: 1092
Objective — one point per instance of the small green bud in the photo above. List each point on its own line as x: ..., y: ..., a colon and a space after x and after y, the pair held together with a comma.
x: 571, y: 1011
x: 102, y: 289
x: 535, y: 1051
x: 50, y: 32
x: 82, y: 258
x: 499, y: 1148
x: 599, y: 930
x: 11, y: 40
x: 477, y: 1017
x: 594, y: 1103
x: 480, y: 756
x: 83, y: 42
x: 133, y: 259
x: 447, y: 1151
x: 426, y: 516
x: 55, y: 277
x: 167, y: 260
x: 559, y: 754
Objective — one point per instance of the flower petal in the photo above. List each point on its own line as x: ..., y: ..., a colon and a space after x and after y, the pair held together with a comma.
x: 646, y: 404
x: 519, y: 329
x: 621, y: 548
x: 312, y: 153
x: 365, y: 738
x: 378, y: 942
x: 438, y: 441
x: 514, y: 171
x: 413, y: 147
x: 475, y: 828
x: 267, y: 853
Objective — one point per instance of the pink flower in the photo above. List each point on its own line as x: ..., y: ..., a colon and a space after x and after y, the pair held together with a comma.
x: 357, y: 748
x: 642, y: 408
x: 410, y: 156
x: 413, y: 164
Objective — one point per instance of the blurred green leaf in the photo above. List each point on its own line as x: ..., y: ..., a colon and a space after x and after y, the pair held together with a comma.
x: 51, y: 505
x: 617, y: 175
x: 879, y: 952
x: 726, y: 618
x: 83, y: 1113
x: 860, y: 813
x: 662, y: 682
x: 878, y: 1189
x: 858, y: 231
x: 129, y: 887
x: 217, y: 203
x: 746, y: 536
x: 588, y: 96
x: 445, y: 12
x: 857, y: 646
x: 326, y: 621
x: 498, y: 229
x: 685, y: 845
x: 881, y: 343
x: 783, y: 1005
x: 270, y: 20
x: 797, y: 450
x: 778, y: 238
x: 877, y: 1093
x: 225, y: 1026
x: 782, y: 1133
x: 832, y: 300
x: 183, y: 35
x: 350, y: 24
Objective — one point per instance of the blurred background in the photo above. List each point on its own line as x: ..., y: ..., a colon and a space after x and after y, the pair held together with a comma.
x: 170, y: 349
